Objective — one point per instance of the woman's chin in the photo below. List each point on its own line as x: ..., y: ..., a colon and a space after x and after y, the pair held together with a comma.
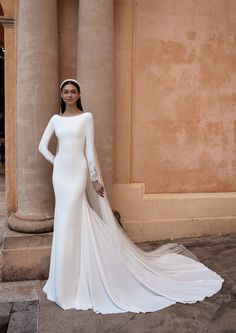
x: 70, y: 102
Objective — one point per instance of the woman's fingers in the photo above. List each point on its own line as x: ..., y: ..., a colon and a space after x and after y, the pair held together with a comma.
x: 100, y: 189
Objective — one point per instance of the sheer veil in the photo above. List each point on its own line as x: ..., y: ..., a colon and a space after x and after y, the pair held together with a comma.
x: 103, y: 209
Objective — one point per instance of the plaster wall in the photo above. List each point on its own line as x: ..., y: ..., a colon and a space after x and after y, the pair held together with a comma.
x: 9, y: 7
x: 184, y: 114
x: 175, y: 110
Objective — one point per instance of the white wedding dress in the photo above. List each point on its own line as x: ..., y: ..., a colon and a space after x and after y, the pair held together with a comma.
x: 94, y: 265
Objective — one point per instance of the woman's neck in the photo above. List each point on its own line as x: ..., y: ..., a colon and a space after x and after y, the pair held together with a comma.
x: 71, y: 109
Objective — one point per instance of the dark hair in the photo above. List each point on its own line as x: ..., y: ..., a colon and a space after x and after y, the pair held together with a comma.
x: 78, y: 102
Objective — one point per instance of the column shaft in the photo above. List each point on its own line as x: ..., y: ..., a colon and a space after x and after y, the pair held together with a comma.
x: 37, y: 100
x: 95, y: 72
x: 68, y: 26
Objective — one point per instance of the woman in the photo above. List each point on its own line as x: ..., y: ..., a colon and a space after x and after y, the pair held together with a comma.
x: 94, y: 265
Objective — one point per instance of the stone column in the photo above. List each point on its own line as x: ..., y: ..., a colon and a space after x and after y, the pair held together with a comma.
x: 95, y: 72
x: 68, y: 35
x: 37, y: 100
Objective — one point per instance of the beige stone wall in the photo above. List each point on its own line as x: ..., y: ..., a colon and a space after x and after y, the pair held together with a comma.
x: 9, y: 7
x: 175, y: 150
x: 183, y: 99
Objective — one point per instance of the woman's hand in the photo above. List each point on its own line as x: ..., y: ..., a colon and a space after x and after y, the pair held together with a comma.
x: 98, y: 187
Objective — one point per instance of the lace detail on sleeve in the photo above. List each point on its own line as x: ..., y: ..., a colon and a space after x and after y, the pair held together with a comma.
x: 93, y: 173
x: 90, y: 154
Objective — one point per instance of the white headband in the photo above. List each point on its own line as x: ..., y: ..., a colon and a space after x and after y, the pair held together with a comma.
x: 72, y: 80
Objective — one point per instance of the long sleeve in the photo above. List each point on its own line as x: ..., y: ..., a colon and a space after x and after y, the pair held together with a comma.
x: 43, y: 145
x: 89, y: 148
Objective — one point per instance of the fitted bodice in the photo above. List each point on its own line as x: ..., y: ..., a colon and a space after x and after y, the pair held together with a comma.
x: 75, y: 136
x: 71, y: 134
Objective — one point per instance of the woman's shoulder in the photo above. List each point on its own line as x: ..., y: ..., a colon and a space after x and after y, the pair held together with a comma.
x: 89, y: 115
x: 51, y: 119
x: 54, y: 116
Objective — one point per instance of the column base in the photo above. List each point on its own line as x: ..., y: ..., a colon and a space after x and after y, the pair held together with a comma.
x: 30, y: 226
x: 25, y: 256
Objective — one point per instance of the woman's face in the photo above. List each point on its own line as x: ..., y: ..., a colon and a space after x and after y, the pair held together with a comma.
x: 70, y: 94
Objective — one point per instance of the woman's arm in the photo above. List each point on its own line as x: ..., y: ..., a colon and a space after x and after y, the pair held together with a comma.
x: 90, y: 155
x: 43, y: 145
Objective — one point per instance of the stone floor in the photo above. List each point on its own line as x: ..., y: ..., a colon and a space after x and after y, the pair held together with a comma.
x: 25, y: 309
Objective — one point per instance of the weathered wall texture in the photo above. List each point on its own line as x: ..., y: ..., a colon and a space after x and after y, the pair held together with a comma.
x: 184, y: 98
x: 175, y: 116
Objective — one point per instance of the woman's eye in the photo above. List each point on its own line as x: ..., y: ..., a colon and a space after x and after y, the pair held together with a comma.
x: 67, y: 92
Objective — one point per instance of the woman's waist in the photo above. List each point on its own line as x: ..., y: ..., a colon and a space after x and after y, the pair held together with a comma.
x: 70, y: 156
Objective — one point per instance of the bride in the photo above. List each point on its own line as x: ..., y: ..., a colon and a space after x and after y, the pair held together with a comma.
x: 94, y: 265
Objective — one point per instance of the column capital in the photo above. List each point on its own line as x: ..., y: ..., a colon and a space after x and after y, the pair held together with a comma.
x: 7, y: 21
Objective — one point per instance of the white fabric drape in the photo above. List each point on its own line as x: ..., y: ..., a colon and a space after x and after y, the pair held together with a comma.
x: 94, y: 265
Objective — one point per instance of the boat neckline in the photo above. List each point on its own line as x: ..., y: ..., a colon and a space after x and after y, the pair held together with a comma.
x: 72, y: 116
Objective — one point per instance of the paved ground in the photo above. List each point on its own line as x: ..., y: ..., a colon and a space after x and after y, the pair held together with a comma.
x: 25, y: 309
